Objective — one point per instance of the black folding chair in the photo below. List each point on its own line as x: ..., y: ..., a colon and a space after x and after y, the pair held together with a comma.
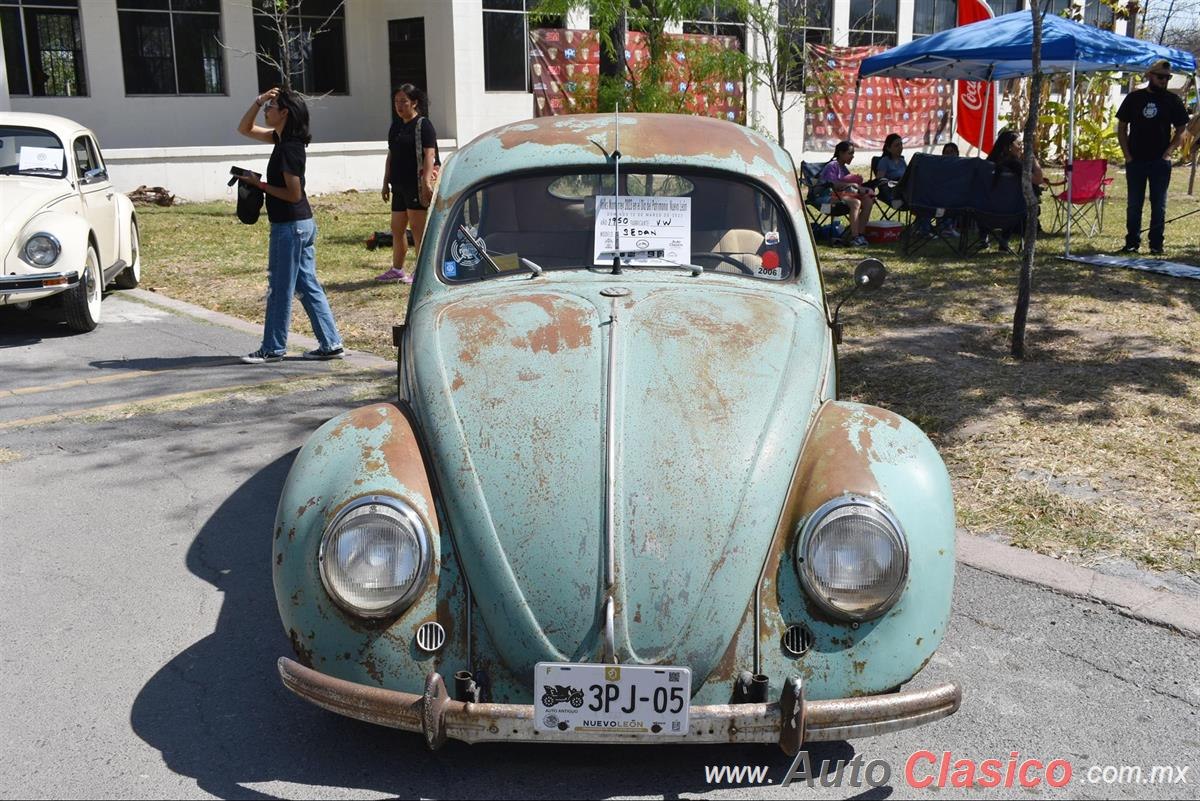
x: 887, y: 196
x: 999, y: 214
x: 938, y: 193
x: 819, y: 205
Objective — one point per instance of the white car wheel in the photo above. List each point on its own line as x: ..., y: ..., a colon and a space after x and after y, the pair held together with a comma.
x: 82, y: 304
x: 131, y: 276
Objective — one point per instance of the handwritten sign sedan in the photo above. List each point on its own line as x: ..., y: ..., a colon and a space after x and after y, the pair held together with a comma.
x: 65, y: 233
x: 618, y: 499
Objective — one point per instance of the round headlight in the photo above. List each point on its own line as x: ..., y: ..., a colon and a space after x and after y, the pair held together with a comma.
x: 375, y: 557
x: 42, y: 250
x: 852, y: 558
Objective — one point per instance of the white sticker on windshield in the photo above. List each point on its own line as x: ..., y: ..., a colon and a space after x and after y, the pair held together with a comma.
x: 647, y: 231
x: 41, y: 158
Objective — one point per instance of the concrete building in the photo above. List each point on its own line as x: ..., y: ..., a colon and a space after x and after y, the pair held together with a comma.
x: 164, y: 82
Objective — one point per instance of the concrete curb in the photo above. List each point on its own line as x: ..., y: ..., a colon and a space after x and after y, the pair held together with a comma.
x: 354, y: 357
x: 1160, y: 607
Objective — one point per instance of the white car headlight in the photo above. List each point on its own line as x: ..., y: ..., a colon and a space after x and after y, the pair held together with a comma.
x: 852, y: 558
x: 375, y: 556
x: 42, y: 250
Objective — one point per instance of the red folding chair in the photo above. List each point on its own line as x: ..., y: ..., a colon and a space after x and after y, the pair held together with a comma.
x: 1086, y: 204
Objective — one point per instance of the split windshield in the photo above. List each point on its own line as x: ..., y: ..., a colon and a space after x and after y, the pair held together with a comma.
x: 660, y: 221
x: 31, y: 151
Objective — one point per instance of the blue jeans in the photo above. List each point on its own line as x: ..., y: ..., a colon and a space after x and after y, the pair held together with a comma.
x: 292, y: 269
x: 1137, y: 174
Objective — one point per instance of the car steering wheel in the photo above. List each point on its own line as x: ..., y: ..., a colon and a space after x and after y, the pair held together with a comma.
x: 721, y: 257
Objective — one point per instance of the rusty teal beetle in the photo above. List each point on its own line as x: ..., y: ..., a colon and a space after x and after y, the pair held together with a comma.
x: 617, y: 499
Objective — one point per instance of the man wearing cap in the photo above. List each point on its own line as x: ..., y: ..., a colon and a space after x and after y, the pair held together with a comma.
x: 1144, y: 123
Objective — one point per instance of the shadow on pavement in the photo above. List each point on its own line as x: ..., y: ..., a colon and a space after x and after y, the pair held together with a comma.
x: 167, y: 363
x: 218, y: 713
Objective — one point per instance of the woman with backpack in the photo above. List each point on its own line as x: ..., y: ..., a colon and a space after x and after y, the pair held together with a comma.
x: 409, y: 174
x: 292, y: 253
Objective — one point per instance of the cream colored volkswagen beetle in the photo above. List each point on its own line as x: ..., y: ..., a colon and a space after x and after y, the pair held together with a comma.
x: 65, y: 233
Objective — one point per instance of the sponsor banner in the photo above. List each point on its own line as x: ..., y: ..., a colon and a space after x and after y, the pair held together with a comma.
x: 564, y: 68
x: 976, y: 99
x: 918, y: 110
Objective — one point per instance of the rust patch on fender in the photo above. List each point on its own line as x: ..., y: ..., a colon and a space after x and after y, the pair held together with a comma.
x: 403, y: 458
x: 366, y: 418
x: 457, y: 383
x: 303, y: 655
x: 310, y: 503
x: 369, y: 665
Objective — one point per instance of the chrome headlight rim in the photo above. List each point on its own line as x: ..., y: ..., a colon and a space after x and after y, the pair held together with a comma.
x: 805, y: 570
x: 55, y: 246
x: 403, y: 511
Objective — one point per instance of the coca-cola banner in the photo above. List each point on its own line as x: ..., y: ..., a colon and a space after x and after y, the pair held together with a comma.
x: 973, y: 96
x: 564, y: 66
x: 917, y: 109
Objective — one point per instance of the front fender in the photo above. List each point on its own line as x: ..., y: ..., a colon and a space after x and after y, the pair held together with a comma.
x: 865, y: 450
x: 369, y: 451
x: 125, y: 218
x: 72, y: 233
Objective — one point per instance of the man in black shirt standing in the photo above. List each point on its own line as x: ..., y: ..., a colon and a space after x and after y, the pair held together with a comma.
x: 1144, y: 124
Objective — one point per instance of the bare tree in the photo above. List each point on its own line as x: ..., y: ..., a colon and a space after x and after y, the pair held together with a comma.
x: 1025, y: 285
x: 292, y: 37
x: 778, y: 25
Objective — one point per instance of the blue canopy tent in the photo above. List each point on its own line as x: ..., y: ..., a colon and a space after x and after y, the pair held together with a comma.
x: 1002, y: 48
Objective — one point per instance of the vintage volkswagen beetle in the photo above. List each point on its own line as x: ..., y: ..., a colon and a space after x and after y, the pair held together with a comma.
x: 64, y: 230
x: 614, y: 507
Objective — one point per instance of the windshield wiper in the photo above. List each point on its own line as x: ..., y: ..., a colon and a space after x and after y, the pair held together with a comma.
x: 52, y: 171
x: 534, y: 267
x: 479, y: 247
x: 695, y: 269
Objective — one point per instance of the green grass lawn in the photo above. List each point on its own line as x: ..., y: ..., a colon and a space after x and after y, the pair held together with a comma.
x: 1088, y: 448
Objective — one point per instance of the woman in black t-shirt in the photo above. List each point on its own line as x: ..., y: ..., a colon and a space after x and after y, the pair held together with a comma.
x: 292, y: 254
x: 404, y: 176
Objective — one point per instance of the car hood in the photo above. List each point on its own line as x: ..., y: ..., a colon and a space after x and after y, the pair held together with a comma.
x: 21, y: 198
x: 713, y: 388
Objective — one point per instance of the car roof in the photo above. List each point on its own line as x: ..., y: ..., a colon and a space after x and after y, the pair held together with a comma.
x: 59, y: 126
x: 646, y: 140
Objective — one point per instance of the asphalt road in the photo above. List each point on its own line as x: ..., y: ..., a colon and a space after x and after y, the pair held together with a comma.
x: 140, y: 635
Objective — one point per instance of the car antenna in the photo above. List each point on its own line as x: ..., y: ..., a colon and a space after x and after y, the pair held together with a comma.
x: 616, y: 157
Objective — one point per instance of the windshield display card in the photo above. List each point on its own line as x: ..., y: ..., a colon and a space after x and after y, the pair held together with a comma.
x: 613, y: 699
x: 41, y: 158
x: 648, y: 231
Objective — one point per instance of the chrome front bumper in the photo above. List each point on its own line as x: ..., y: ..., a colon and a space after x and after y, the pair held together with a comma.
x: 791, y: 721
x: 37, y: 282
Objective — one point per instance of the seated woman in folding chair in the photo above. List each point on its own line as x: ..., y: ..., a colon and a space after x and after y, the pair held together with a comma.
x: 849, y: 189
x: 1007, y: 155
x: 888, y: 168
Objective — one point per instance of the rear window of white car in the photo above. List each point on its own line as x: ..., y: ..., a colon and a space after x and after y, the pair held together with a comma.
x: 31, y: 151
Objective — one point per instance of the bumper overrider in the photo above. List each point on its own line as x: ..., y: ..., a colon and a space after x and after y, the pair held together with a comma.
x: 791, y: 721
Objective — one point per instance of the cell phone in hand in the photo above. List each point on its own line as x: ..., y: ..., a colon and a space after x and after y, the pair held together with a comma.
x: 240, y: 172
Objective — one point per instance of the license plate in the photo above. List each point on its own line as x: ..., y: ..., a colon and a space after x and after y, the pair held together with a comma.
x: 619, y: 699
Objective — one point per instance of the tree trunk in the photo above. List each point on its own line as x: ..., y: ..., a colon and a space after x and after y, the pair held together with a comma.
x: 1025, y: 285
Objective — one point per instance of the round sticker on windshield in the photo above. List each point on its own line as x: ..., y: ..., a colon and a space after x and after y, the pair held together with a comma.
x: 464, y: 252
x: 770, y: 260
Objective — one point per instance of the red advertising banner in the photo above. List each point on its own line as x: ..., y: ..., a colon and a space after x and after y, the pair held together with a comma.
x: 918, y: 110
x: 976, y: 99
x: 564, y: 66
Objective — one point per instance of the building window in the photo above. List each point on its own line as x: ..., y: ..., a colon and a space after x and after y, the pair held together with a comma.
x: 717, y: 20
x: 807, y: 22
x: 315, y: 36
x: 506, y: 43
x: 171, y: 47
x: 43, y: 47
x: 873, y: 22
x: 934, y: 16
x: 1001, y: 7
x: 1099, y: 14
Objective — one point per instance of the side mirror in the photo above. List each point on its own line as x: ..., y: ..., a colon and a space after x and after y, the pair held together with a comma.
x: 869, y: 274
